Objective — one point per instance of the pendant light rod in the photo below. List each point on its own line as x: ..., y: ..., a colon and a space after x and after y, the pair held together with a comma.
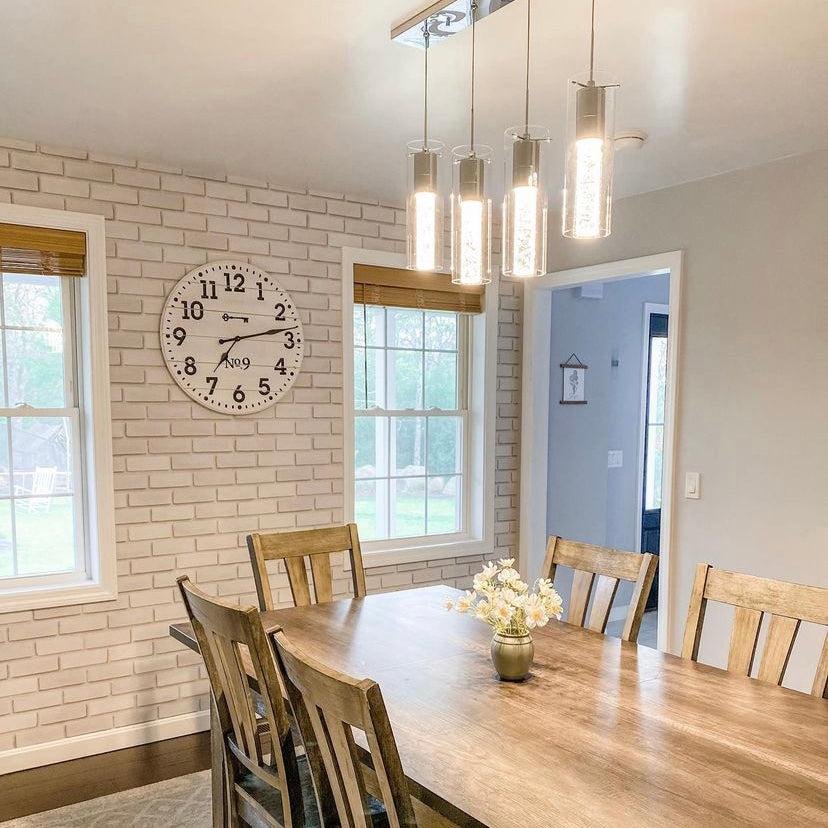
x: 592, y: 46
x: 426, y: 36
x: 528, y: 40
x: 471, y: 125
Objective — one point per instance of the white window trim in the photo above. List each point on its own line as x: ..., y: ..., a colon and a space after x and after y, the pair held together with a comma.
x: 91, y: 330
x: 479, y: 536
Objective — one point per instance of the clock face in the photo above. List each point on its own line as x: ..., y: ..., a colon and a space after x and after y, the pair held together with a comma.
x: 231, y: 337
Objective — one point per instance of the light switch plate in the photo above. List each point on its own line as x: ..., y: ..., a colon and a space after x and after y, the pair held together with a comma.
x: 615, y: 459
x: 692, y: 485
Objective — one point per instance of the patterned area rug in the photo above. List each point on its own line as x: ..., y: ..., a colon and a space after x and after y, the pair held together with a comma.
x: 183, y: 802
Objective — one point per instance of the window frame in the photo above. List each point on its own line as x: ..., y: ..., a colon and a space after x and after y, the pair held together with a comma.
x: 86, y: 361
x: 479, y: 433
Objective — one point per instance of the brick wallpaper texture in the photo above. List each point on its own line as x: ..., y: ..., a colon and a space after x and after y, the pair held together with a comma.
x: 189, y: 483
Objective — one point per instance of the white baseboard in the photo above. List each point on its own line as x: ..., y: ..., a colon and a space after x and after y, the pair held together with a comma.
x: 90, y: 744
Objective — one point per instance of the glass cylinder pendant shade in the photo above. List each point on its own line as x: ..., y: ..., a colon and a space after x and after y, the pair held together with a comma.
x: 587, y: 203
x: 471, y: 217
x: 424, y: 208
x: 524, y: 203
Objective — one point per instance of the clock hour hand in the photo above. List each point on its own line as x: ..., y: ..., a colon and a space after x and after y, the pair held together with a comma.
x: 272, y: 331
x: 226, y: 354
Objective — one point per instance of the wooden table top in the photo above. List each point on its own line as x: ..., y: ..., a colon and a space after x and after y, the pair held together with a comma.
x: 602, y: 733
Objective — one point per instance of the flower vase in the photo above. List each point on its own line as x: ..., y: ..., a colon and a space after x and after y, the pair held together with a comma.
x: 512, y: 656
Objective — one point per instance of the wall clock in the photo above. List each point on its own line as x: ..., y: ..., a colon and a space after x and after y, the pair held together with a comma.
x: 231, y: 337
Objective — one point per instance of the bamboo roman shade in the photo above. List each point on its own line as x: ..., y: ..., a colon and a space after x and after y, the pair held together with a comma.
x: 398, y: 288
x: 42, y: 250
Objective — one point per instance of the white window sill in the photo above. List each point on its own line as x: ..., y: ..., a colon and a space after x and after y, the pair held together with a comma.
x: 390, y: 553
x: 65, y: 595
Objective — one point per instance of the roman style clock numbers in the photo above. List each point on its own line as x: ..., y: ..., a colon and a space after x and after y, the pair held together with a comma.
x: 231, y: 337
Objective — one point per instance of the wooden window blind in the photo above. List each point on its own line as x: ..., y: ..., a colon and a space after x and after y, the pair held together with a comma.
x: 398, y: 288
x: 42, y: 250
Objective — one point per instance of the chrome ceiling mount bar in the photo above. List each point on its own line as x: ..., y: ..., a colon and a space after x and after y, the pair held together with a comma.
x: 443, y: 19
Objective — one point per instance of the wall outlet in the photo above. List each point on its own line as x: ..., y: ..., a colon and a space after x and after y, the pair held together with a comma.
x: 615, y: 459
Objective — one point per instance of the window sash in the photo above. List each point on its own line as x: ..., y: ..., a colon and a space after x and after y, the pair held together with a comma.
x: 461, y: 412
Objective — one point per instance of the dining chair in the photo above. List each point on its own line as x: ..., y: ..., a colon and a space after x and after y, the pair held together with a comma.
x: 329, y: 706
x: 787, y: 604
x: 293, y: 547
x: 611, y: 566
x: 264, y: 779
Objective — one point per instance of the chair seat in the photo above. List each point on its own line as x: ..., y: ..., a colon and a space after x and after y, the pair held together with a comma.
x: 271, y: 800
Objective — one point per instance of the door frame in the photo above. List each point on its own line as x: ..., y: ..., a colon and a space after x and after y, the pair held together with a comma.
x: 535, y: 401
x: 649, y: 309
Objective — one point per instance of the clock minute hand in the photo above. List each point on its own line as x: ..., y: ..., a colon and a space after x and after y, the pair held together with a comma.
x: 261, y: 333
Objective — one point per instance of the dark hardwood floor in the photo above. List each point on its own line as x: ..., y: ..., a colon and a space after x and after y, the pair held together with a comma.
x: 52, y: 786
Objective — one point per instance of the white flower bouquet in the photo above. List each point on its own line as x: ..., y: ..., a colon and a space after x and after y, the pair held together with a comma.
x: 501, y: 599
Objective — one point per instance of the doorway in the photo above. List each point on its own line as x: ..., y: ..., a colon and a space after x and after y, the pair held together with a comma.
x: 541, y: 448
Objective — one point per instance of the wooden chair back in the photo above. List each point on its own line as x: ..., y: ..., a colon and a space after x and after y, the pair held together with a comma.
x: 222, y: 631
x: 604, y: 568
x: 787, y: 604
x: 293, y: 547
x: 328, y: 704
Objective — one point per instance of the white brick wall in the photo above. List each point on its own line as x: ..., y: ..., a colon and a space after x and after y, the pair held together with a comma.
x: 190, y: 484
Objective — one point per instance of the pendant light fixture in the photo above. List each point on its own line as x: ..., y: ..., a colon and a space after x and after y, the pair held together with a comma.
x: 471, y: 209
x: 424, y: 207
x: 525, y: 201
x: 590, y: 150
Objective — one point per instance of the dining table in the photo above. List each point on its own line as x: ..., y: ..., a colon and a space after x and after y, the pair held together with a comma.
x: 603, y: 732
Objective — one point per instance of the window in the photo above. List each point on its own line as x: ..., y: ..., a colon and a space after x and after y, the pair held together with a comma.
x: 41, y: 482
x: 57, y: 544
x: 411, y: 422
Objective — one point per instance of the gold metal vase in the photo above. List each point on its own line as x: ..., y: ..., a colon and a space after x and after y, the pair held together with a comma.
x: 512, y: 656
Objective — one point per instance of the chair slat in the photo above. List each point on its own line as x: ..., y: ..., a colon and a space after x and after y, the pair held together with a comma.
x: 579, y: 597
x: 778, y: 646
x: 342, y: 741
x: 743, y: 640
x: 820, y: 688
x: 604, y: 595
x: 322, y: 580
x: 298, y: 579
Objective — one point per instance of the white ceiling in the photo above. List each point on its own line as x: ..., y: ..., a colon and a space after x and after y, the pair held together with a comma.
x: 313, y: 93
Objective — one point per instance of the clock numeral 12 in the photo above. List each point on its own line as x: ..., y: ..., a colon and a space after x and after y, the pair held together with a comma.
x: 238, y: 287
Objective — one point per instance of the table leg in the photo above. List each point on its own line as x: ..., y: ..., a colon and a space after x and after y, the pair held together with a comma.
x: 217, y: 773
